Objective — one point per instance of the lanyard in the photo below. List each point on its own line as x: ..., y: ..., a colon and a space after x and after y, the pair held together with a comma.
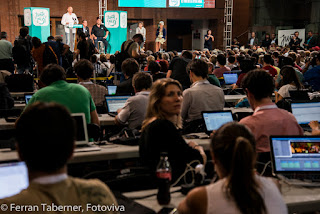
x: 272, y: 106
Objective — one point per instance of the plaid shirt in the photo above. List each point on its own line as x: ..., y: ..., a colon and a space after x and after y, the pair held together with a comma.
x: 97, y: 92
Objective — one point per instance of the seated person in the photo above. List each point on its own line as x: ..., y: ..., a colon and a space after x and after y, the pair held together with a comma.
x: 267, y: 61
x: 46, y: 154
x: 212, y: 78
x: 84, y: 71
x: 129, y: 67
x: 246, y: 65
x: 312, y: 76
x: 222, y: 61
x: 135, y: 107
x: 239, y: 189
x: 290, y: 82
x: 74, y: 97
x: 160, y: 129
x: 201, y: 96
x: 267, y: 118
x: 154, y: 67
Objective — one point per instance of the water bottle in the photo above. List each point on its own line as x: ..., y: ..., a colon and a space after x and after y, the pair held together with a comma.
x: 164, y: 180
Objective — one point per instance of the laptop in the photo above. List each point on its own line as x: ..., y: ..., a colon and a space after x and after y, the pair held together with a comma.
x: 112, y: 89
x: 213, y: 120
x: 82, y: 138
x: 230, y: 79
x: 305, y: 113
x: 114, y: 103
x: 296, y: 159
x: 13, y: 178
x: 299, y: 95
x: 27, y: 97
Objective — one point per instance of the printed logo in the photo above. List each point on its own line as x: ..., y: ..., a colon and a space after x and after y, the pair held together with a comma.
x: 27, y: 17
x: 174, y: 3
x: 123, y: 20
x: 40, y: 17
x: 112, y: 19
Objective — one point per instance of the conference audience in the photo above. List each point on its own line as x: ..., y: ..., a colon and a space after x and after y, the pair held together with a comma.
x: 160, y: 129
x: 46, y: 154
x: 155, y: 68
x: 239, y: 189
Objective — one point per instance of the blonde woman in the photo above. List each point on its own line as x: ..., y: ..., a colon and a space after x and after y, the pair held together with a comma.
x: 160, y: 36
x: 160, y: 129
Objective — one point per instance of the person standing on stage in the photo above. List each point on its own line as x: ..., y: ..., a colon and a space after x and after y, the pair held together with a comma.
x: 141, y: 30
x: 100, y: 33
x: 84, y: 29
x: 208, y: 39
x: 161, y: 36
x: 68, y: 20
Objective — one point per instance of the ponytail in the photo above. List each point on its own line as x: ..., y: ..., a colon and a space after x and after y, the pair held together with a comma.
x: 242, y: 185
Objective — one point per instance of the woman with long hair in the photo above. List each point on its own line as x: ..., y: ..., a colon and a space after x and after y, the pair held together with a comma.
x: 160, y: 129
x: 240, y: 189
x: 160, y: 36
x: 289, y: 82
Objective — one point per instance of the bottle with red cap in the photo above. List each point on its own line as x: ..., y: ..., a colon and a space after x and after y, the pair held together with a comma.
x: 164, y: 179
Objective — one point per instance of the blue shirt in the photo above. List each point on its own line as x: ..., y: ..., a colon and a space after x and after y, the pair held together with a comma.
x: 312, y: 76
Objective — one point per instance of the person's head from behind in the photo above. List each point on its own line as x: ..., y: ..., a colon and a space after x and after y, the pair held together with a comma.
x: 234, y: 155
x: 52, y: 73
x: 166, y: 56
x: 50, y: 38
x: 103, y: 58
x: 258, y: 85
x: 149, y: 59
x: 94, y: 59
x: 198, y: 70
x: 286, y: 61
x: 289, y: 76
x: 267, y: 59
x: 4, y: 35
x: 84, y: 69
x: 246, y: 65
x: 129, y: 67
x: 36, y: 42
x: 221, y: 58
x: 138, y: 38
x: 210, y: 67
x: 52, y: 146
x: 165, y: 101
x: 186, y: 55
x: 24, y: 31
x: 232, y: 59
x: 154, y: 67
x: 141, y: 81
x: 58, y: 38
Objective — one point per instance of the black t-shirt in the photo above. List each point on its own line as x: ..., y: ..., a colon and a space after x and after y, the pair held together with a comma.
x: 162, y: 136
x: 125, y: 87
x: 99, y: 31
x: 179, y: 71
x: 157, y: 76
x: 208, y: 43
x: 83, y: 46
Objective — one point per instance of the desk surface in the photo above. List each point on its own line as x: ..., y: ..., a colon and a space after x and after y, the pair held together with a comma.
x: 298, y: 199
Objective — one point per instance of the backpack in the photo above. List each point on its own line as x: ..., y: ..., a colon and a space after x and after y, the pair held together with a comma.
x: 20, y: 52
x: 49, y: 56
x: 123, y: 55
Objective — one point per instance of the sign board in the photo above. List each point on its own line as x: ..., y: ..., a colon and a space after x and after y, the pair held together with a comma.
x: 187, y: 3
x: 38, y: 21
x: 116, y: 22
x: 284, y: 36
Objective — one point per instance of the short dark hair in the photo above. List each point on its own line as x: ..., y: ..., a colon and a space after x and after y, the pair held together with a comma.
x: 129, y: 67
x: 246, y: 65
x: 221, y: 58
x: 231, y: 59
x: 83, y: 69
x: 50, y: 38
x: 52, y: 73
x: 141, y: 80
x: 49, y: 149
x: 84, y: 20
x: 138, y: 36
x: 36, y: 42
x: 267, y: 59
x: 259, y: 83
x: 187, y: 54
x: 4, y: 35
x: 24, y: 31
x: 198, y: 67
x: 154, y: 67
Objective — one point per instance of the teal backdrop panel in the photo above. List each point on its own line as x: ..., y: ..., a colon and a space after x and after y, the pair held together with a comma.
x: 116, y: 22
x: 38, y: 21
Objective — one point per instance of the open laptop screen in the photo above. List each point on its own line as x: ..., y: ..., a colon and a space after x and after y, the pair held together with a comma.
x: 115, y: 102
x: 13, y: 178
x: 27, y: 97
x: 112, y: 89
x: 81, y: 126
x: 295, y: 154
x: 230, y: 79
x: 306, y: 112
x: 215, y: 119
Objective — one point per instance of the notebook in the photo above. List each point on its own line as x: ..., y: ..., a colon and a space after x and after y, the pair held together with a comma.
x: 112, y: 89
x: 13, y: 178
x: 230, y: 79
x: 82, y: 139
x: 296, y: 159
x: 27, y: 97
x: 114, y: 103
x: 305, y: 113
x: 213, y: 120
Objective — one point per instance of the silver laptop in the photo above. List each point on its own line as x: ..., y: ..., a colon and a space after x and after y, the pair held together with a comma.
x: 305, y: 113
x: 296, y: 159
x: 82, y: 139
x: 13, y: 178
x: 215, y: 119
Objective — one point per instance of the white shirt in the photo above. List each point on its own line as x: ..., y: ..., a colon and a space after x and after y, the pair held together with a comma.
x: 51, y: 179
x: 71, y: 19
x: 284, y: 90
x: 141, y: 31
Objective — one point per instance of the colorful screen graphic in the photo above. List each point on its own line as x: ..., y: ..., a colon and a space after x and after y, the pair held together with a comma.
x: 142, y: 3
x: 169, y: 3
